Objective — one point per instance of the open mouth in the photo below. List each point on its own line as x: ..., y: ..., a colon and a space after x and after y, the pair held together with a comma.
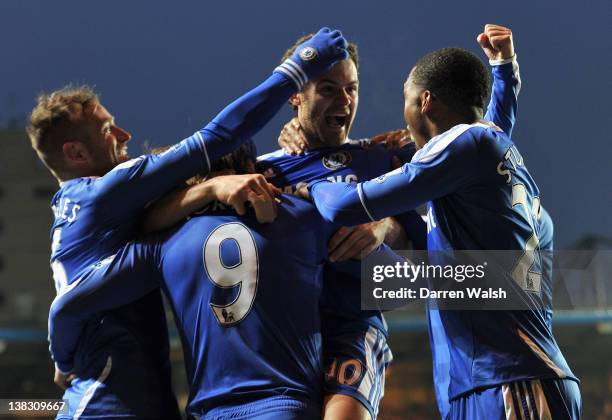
x: 336, y: 121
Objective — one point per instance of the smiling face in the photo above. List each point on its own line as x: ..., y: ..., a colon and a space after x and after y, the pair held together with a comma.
x: 326, y: 106
x: 107, y: 143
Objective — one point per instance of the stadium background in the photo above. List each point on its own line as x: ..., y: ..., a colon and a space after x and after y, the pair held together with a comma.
x: 165, y: 70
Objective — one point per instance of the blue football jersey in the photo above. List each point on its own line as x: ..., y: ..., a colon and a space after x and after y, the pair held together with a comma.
x: 93, y: 218
x: 353, y: 162
x: 350, y: 162
x: 246, y: 300
x: 480, y: 196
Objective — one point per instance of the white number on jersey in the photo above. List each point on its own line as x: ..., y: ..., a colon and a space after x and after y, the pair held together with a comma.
x: 59, y: 273
x: 523, y: 274
x: 244, y: 274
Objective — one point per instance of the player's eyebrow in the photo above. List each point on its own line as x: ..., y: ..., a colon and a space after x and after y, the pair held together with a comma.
x: 333, y: 82
x: 108, y: 121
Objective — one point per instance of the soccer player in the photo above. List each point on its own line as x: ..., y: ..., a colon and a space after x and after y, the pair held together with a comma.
x: 121, y: 366
x: 480, y: 196
x: 326, y: 109
x: 251, y: 338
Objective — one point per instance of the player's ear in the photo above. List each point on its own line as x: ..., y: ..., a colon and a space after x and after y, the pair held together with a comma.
x: 295, y: 100
x: 75, y: 152
x: 426, y: 98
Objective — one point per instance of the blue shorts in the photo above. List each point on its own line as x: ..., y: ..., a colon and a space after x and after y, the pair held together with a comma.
x: 355, y: 361
x: 557, y: 399
x: 274, y: 408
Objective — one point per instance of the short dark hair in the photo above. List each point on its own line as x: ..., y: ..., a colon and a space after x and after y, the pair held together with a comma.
x: 352, y: 50
x: 236, y: 160
x: 455, y: 76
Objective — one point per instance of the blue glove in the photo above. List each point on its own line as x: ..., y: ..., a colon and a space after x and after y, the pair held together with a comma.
x: 314, y: 57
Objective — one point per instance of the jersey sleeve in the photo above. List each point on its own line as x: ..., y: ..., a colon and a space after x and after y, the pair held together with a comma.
x: 135, y: 183
x: 130, y: 186
x: 415, y: 228
x: 504, y: 96
x: 244, y: 117
x: 439, y: 171
x: 118, y: 280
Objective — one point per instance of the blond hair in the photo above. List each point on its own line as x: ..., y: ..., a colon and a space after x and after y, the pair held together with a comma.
x: 56, y: 118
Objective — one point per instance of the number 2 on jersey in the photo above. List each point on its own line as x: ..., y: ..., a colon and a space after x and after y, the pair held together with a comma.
x: 244, y: 274
x: 526, y: 272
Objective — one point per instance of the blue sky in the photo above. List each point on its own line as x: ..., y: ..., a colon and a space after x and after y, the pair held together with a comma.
x: 164, y: 69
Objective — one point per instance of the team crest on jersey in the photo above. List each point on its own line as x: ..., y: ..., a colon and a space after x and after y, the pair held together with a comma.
x: 308, y: 53
x: 337, y: 160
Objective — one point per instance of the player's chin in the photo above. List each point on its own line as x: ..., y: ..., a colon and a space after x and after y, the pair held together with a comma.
x: 334, y: 136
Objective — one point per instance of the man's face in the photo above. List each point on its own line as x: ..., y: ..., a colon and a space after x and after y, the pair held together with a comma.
x: 107, y: 143
x: 412, y: 112
x: 327, y: 105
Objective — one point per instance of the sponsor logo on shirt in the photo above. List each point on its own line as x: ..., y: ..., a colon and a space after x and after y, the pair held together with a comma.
x: 337, y: 160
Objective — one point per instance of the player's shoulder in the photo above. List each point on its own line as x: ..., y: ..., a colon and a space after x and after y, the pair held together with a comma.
x: 461, y: 137
x: 129, y: 164
x: 296, y: 206
x: 75, y: 188
x: 298, y: 215
x: 297, y: 211
x: 272, y: 157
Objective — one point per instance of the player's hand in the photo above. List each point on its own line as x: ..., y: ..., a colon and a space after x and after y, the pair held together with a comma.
x: 395, y: 139
x: 238, y: 190
x: 496, y: 42
x: 292, y: 138
x: 63, y: 380
x: 314, y: 57
x: 356, y: 241
x: 302, y: 192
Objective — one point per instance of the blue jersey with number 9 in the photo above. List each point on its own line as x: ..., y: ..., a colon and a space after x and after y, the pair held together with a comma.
x: 246, y: 300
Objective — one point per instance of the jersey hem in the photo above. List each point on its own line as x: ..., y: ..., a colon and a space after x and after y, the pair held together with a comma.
x: 506, y: 381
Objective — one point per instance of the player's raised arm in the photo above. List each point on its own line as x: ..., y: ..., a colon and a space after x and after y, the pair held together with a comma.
x: 248, y: 114
x: 143, y: 179
x: 496, y: 42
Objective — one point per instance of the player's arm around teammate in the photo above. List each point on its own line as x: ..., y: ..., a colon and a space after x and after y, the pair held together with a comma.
x: 237, y: 191
x: 140, y: 179
x: 354, y: 242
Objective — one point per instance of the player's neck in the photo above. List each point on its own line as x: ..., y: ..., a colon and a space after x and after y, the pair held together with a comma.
x: 447, y: 122
x: 314, y: 142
